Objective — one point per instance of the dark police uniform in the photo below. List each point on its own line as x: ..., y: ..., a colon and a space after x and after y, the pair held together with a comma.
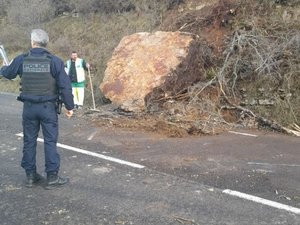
x: 42, y: 79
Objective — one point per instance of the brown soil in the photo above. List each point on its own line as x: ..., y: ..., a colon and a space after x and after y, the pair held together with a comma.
x: 209, y: 20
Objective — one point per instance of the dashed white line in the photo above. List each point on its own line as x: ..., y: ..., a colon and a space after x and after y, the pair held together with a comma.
x: 262, y: 201
x: 269, y: 164
x: 227, y: 191
x: 244, y: 134
x: 108, y: 158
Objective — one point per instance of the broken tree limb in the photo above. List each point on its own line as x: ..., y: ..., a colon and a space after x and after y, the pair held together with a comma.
x: 264, y: 121
x: 290, y: 131
x: 296, y: 127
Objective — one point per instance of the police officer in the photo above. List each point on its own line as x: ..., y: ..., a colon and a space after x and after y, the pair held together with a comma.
x: 43, y: 79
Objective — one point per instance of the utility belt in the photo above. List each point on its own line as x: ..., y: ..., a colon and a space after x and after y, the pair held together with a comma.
x: 58, y: 102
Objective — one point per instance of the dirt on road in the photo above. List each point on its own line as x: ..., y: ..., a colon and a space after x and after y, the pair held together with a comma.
x: 257, y: 162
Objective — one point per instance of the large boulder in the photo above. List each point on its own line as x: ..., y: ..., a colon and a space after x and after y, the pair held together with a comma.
x: 146, y: 67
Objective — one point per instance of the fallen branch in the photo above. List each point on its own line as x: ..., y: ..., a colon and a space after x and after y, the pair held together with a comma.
x: 293, y: 132
x: 265, y: 122
x: 296, y: 127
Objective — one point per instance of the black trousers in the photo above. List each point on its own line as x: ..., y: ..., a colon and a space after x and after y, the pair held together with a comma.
x: 36, y: 115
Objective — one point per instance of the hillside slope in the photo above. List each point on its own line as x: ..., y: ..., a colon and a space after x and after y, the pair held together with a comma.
x: 252, y: 82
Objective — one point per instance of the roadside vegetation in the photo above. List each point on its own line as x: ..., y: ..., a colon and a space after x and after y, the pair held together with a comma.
x: 255, y: 45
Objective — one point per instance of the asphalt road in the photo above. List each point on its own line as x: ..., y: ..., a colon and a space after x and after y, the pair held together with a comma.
x: 125, y: 177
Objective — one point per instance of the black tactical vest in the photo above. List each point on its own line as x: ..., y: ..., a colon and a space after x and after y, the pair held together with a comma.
x: 36, y: 78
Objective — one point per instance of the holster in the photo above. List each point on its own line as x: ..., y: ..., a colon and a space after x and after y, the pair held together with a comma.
x: 58, y: 105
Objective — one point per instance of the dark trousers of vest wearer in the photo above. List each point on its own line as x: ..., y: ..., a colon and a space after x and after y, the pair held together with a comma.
x: 36, y: 115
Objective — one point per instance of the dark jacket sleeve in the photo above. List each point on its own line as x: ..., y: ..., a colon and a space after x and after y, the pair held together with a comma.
x: 14, y: 69
x: 63, y: 82
x: 84, y: 65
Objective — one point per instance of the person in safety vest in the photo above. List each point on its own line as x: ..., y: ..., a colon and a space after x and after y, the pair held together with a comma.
x: 43, y: 83
x: 75, y: 68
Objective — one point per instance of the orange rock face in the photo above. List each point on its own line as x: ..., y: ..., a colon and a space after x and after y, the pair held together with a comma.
x: 147, y: 66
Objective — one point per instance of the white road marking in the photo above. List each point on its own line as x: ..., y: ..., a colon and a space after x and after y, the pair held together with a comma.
x: 245, y: 134
x: 108, y: 158
x: 262, y: 201
x: 227, y: 191
x: 269, y: 164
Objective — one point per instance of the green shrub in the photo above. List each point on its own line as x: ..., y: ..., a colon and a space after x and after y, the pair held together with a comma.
x: 23, y: 13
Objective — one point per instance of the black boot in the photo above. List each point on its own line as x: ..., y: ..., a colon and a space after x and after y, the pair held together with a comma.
x: 54, y: 181
x: 32, y: 178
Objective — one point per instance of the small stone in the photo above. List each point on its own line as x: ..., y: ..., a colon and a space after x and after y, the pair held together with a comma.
x: 265, y: 102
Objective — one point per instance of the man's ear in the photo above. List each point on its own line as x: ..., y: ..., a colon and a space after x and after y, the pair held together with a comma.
x: 33, y: 44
